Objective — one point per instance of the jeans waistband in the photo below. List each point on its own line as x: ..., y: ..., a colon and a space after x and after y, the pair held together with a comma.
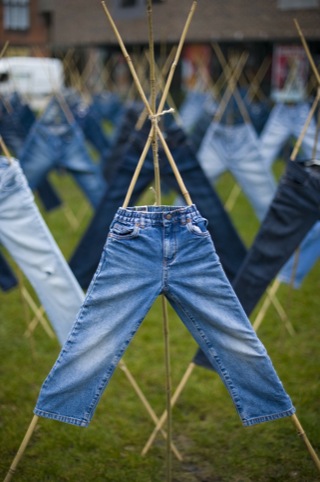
x: 304, y: 173
x: 157, y: 215
x: 10, y: 174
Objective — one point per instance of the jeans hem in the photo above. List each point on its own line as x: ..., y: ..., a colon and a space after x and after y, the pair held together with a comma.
x: 61, y: 418
x: 268, y: 418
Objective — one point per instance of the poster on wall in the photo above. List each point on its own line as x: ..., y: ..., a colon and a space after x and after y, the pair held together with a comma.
x: 195, y: 74
x: 290, y: 70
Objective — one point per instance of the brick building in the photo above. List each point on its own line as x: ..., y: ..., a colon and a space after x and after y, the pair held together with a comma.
x: 58, y: 25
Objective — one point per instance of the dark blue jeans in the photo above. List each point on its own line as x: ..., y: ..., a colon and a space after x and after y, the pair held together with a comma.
x: 228, y: 244
x: 8, y: 279
x: 16, y: 120
x: 292, y: 213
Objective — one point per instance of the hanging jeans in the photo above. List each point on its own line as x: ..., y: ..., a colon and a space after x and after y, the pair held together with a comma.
x: 287, y: 121
x: 236, y: 148
x: 174, y: 251
x: 192, y: 107
x: 301, y: 263
x: 52, y: 143
x: 16, y: 120
x: 292, y: 213
x: 89, y: 121
x: 27, y: 238
x: 229, y: 246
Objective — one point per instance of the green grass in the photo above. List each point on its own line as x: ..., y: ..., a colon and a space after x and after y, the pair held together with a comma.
x: 206, y: 429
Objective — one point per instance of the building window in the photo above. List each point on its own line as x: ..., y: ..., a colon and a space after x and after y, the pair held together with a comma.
x: 128, y: 3
x: 297, y: 4
x: 128, y: 9
x: 16, y: 14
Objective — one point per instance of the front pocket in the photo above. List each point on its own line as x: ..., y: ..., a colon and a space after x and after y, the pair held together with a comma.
x: 123, y: 231
x: 198, y: 227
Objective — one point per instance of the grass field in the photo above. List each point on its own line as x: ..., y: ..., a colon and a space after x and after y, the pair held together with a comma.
x: 206, y: 429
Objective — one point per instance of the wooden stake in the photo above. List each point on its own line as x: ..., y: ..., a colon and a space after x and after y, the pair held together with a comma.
x: 22, y: 448
x: 304, y: 437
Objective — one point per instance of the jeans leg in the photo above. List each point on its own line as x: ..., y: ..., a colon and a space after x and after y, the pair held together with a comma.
x: 203, y: 298
x: 28, y: 240
x: 8, y: 279
x: 48, y: 195
x: 246, y: 164
x: 275, y: 133
x: 292, y: 213
x: 116, y: 303
x: 296, y: 269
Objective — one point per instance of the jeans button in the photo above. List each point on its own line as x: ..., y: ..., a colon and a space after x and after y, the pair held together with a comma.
x: 168, y: 216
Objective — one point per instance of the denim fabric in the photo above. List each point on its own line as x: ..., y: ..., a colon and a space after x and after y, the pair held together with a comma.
x: 122, y: 132
x: 198, y: 131
x: 295, y: 270
x: 26, y: 237
x: 292, y: 213
x: 8, y: 279
x: 229, y: 246
x: 174, y: 250
x: 236, y: 148
x: 107, y: 106
x: 53, y: 142
x: 16, y: 120
x: 192, y: 107
x: 287, y: 121
x: 89, y: 122
x: 259, y: 112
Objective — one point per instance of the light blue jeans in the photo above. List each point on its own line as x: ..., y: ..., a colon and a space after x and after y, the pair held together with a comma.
x: 151, y: 251
x: 287, y: 121
x: 235, y: 148
x: 192, y: 107
x: 27, y: 238
x: 296, y: 269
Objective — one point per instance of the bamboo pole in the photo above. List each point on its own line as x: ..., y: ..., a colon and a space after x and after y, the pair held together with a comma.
x: 164, y: 95
x: 304, y: 437
x: 21, y: 449
x: 174, y: 399
x: 147, y: 405
x: 232, y: 83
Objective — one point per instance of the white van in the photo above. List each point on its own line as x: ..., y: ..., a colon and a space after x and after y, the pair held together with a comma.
x: 34, y: 78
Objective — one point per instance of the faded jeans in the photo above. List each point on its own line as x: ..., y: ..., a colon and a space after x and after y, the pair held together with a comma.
x: 287, y: 121
x: 236, y: 148
x: 173, y: 249
x: 229, y: 246
x: 27, y: 238
x: 52, y: 143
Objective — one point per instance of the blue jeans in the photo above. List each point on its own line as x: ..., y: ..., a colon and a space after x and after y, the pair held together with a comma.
x: 27, y: 238
x: 173, y: 249
x: 287, y: 121
x: 52, y: 143
x: 89, y: 121
x: 291, y: 215
x: 295, y: 271
x: 192, y: 107
x: 16, y: 120
x: 229, y: 246
x: 8, y: 279
x: 236, y: 148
